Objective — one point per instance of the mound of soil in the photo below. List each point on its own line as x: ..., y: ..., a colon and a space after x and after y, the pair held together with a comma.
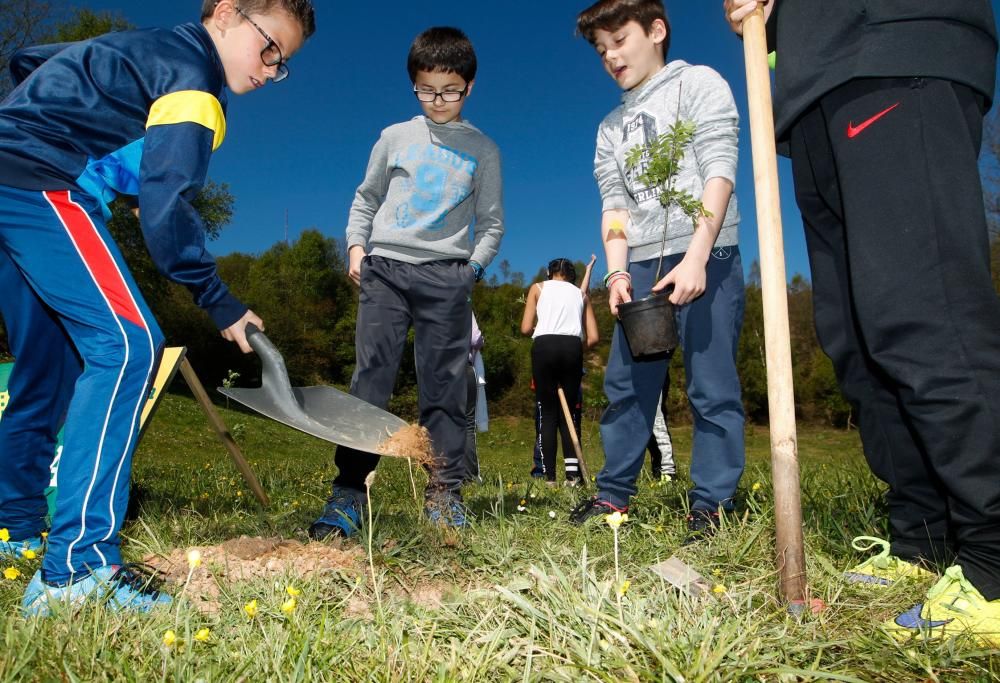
x: 244, y: 559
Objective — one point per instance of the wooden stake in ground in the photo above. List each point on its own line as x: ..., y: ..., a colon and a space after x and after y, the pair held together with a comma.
x: 780, y: 396
x: 223, y: 432
x: 584, y: 477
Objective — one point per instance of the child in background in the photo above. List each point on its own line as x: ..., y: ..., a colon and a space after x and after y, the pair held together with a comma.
x: 425, y: 222
x: 565, y: 318
x: 476, y: 419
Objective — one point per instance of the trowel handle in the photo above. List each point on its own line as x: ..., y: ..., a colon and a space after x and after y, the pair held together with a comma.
x: 273, y: 372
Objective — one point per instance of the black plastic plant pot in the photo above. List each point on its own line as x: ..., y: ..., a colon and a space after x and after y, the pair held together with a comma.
x: 649, y: 324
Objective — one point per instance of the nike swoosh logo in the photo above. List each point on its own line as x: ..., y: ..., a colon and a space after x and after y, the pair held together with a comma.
x: 911, y: 619
x: 853, y: 131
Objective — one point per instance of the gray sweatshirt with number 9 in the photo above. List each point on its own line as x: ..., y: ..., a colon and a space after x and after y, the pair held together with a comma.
x: 431, y: 192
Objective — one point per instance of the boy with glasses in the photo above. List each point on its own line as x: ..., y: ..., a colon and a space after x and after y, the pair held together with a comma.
x: 425, y: 222
x: 133, y: 113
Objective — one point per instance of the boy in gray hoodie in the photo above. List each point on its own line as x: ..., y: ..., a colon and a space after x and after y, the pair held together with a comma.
x: 425, y: 222
x: 702, y: 263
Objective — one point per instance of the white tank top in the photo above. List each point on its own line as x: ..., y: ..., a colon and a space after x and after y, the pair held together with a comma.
x: 560, y: 309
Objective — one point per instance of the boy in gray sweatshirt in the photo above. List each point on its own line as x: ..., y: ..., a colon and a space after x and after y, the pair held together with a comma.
x: 701, y: 263
x: 425, y: 222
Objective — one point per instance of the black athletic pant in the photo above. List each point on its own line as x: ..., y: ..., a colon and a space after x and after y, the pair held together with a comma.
x: 434, y: 298
x: 556, y: 361
x: 887, y: 181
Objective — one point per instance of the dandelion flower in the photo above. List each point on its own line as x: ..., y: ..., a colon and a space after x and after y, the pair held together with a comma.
x: 524, y: 502
x: 293, y: 591
x: 251, y: 608
x: 288, y: 606
x: 4, y: 535
x: 719, y: 588
x: 45, y: 534
x: 202, y: 635
x: 717, y: 572
x: 623, y: 589
x: 11, y: 573
x: 194, y: 558
x: 615, y: 519
x: 29, y: 554
x: 552, y: 514
x: 169, y: 638
x: 756, y: 486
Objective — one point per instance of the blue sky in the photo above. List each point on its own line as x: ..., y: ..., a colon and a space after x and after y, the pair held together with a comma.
x: 302, y: 145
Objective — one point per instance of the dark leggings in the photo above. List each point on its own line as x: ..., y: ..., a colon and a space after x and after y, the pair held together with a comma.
x: 556, y: 360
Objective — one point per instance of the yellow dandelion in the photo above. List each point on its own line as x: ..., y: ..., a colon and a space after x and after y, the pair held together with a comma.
x: 716, y: 572
x: 4, y: 535
x: 615, y: 519
x: 293, y: 591
x: 524, y: 502
x: 169, y: 638
x: 239, y: 494
x: 29, y: 554
x: 202, y: 635
x: 45, y: 534
x: 251, y: 608
x: 719, y: 588
x: 623, y: 589
x: 194, y: 558
x: 756, y: 486
x: 288, y: 606
x: 11, y: 573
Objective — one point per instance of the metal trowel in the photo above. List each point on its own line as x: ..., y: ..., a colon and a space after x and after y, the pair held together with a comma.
x: 323, y: 412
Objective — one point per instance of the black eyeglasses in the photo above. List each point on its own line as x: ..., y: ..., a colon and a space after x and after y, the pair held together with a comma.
x: 271, y: 54
x: 445, y: 95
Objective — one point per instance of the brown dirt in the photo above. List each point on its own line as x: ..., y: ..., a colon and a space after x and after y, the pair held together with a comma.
x: 245, y: 558
x: 412, y: 441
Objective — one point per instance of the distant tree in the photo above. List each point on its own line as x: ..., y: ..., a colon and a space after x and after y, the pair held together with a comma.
x: 85, y: 23
x: 505, y: 270
x: 22, y: 23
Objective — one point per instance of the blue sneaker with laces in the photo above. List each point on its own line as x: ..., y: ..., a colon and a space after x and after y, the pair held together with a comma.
x: 15, y: 550
x: 121, y: 588
x: 446, y: 509
x: 342, y: 516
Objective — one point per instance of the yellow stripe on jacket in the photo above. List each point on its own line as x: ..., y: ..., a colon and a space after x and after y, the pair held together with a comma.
x: 190, y: 106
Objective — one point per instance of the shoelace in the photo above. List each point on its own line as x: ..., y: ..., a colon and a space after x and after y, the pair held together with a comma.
x: 882, y: 560
x: 139, y: 577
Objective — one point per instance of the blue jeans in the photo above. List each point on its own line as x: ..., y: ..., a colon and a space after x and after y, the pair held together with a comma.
x: 709, y: 330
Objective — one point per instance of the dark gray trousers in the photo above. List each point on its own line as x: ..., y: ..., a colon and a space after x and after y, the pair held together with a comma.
x: 433, y: 298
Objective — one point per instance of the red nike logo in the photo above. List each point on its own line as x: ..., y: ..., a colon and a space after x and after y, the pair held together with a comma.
x: 853, y: 131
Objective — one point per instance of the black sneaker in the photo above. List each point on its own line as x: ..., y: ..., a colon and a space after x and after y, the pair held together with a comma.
x: 593, y: 507
x: 701, y: 525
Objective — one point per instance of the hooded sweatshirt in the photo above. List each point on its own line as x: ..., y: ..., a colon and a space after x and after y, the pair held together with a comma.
x: 678, y: 91
x: 431, y: 192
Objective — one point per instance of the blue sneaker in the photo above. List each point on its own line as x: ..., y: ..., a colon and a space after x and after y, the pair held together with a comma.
x: 345, y: 508
x: 128, y: 587
x: 446, y: 509
x: 17, y: 549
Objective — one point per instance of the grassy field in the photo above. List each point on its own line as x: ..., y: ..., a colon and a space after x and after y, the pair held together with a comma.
x: 522, y: 595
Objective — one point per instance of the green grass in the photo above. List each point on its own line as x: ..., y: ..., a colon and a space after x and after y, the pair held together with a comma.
x: 519, y: 596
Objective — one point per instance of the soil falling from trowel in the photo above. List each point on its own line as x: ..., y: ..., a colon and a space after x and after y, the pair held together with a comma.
x: 412, y: 441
